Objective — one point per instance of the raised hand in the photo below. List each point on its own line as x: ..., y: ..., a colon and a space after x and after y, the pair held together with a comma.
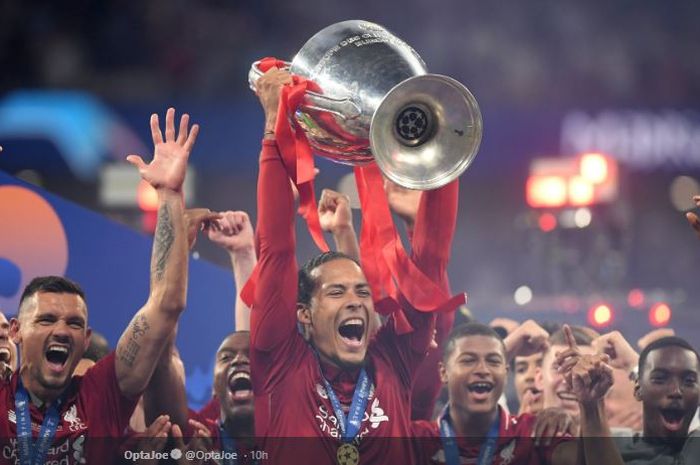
x: 653, y: 335
x: 169, y: 165
x: 527, y: 339
x: 154, y: 439
x: 693, y: 218
x: 201, y: 442
x: 234, y: 232
x: 404, y: 202
x: 268, y: 89
x: 567, y: 359
x: 334, y: 211
x: 552, y: 422
x: 200, y: 219
x: 591, y: 378
x: 621, y: 353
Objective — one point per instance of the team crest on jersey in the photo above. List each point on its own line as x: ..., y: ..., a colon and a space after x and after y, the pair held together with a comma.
x: 71, y: 416
x: 508, y: 453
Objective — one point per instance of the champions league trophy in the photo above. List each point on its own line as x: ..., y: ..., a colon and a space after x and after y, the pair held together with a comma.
x: 376, y: 101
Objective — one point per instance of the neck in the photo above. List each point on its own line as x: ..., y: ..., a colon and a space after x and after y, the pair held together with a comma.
x: 238, y: 427
x: 472, y: 424
x: 37, y: 391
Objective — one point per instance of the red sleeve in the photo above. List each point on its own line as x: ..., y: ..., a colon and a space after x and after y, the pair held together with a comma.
x: 432, y: 240
x: 104, y: 401
x: 431, y: 245
x: 273, y: 318
x: 210, y: 411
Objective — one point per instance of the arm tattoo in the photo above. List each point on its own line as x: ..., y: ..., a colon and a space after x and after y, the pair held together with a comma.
x: 138, y: 328
x: 163, y: 242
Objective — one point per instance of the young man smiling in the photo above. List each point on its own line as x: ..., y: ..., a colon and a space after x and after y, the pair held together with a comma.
x: 340, y: 389
x: 81, y: 418
x: 473, y: 428
x: 669, y: 392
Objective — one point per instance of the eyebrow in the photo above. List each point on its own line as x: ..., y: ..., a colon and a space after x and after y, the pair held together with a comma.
x: 474, y: 354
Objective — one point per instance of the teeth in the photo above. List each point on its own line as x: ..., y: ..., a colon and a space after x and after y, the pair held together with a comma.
x: 5, y: 351
x: 240, y: 375
x: 354, y: 321
x: 59, y: 349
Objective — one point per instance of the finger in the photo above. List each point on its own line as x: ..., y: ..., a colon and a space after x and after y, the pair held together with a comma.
x: 191, y: 138
x: 170, y: 125
x: 176, y: 433
x: 137, y: 161
x: 182, y: 132
x: 156, y: 135
x: 693, y: 220
x: 570, y: 337
x: 197, y: 425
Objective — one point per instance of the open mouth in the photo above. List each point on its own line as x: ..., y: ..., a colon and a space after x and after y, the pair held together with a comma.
x: 5, y: 355
x: 240, y: 386
x: 672, y: 418
x: 480, y: 390
x: 568, y: 396
x: 352, y: 331
x: 57, y: 356
x: 536, y: 393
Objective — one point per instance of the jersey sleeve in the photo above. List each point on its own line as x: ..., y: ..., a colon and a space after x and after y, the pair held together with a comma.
x: 108, y: 410
x: 273, y: 328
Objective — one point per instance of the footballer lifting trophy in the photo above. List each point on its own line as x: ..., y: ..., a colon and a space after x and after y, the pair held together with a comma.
x: 376, y: 101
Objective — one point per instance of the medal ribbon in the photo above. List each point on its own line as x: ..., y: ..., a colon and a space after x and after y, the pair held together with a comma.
x: 449, y: 443
x: 350, y: 426
x: 29, y: 453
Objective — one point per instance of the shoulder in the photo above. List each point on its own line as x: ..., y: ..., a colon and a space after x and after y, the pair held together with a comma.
x: 425, y: 429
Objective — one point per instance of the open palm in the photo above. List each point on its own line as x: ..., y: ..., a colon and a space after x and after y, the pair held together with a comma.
x: 169, y: 164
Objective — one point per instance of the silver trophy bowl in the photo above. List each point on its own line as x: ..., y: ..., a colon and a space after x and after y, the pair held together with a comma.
x: 378, y: 103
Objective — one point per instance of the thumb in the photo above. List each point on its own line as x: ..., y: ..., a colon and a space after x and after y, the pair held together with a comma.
x: 137, y: 161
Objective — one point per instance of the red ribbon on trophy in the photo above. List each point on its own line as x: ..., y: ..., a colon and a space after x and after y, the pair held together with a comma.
x: 390, y: 272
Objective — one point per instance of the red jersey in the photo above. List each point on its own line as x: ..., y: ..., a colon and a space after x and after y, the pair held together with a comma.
x: 93, y: 418
x: 284, y: 366
x: 211, y: 411
x: 515, y: 444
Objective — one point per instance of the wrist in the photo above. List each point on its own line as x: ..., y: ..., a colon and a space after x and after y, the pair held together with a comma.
x: 242, y: 252
x: 342, y: 229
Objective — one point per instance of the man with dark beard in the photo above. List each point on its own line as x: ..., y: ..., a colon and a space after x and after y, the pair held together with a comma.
x: 339, y: 390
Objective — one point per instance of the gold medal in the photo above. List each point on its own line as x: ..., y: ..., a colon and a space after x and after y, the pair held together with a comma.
x: 348, y: 454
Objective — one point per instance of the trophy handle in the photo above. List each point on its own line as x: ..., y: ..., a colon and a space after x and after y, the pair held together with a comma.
x: 313, y: 101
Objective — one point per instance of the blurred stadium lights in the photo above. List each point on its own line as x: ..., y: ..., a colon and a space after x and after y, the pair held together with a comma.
x: 601, y: 315
x: 584, y: 180
x: 660, y: 314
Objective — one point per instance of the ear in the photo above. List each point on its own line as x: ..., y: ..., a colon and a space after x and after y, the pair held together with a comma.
x: 443, y: 372
x: 88, y: 335
x: 303, y: 314
x: 14, y: 331
x: 637, y: 391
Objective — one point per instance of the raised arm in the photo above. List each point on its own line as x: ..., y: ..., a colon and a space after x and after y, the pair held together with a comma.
x: 166, y: 393
x: 236, y: 236
x: 335, y: 216
x: 140, y: 346
x: 589, y: 377
x: 273, y: 318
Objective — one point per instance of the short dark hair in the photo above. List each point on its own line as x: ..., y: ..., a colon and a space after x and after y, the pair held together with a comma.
x: 307, y: 284
x: 669, y: 341
x: 54, y: 284
x: 98, y: 348
x: 466, y: 330
x: 582, y: 336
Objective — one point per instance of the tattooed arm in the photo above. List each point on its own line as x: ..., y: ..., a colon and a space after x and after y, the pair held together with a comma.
x: 140, y: 346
